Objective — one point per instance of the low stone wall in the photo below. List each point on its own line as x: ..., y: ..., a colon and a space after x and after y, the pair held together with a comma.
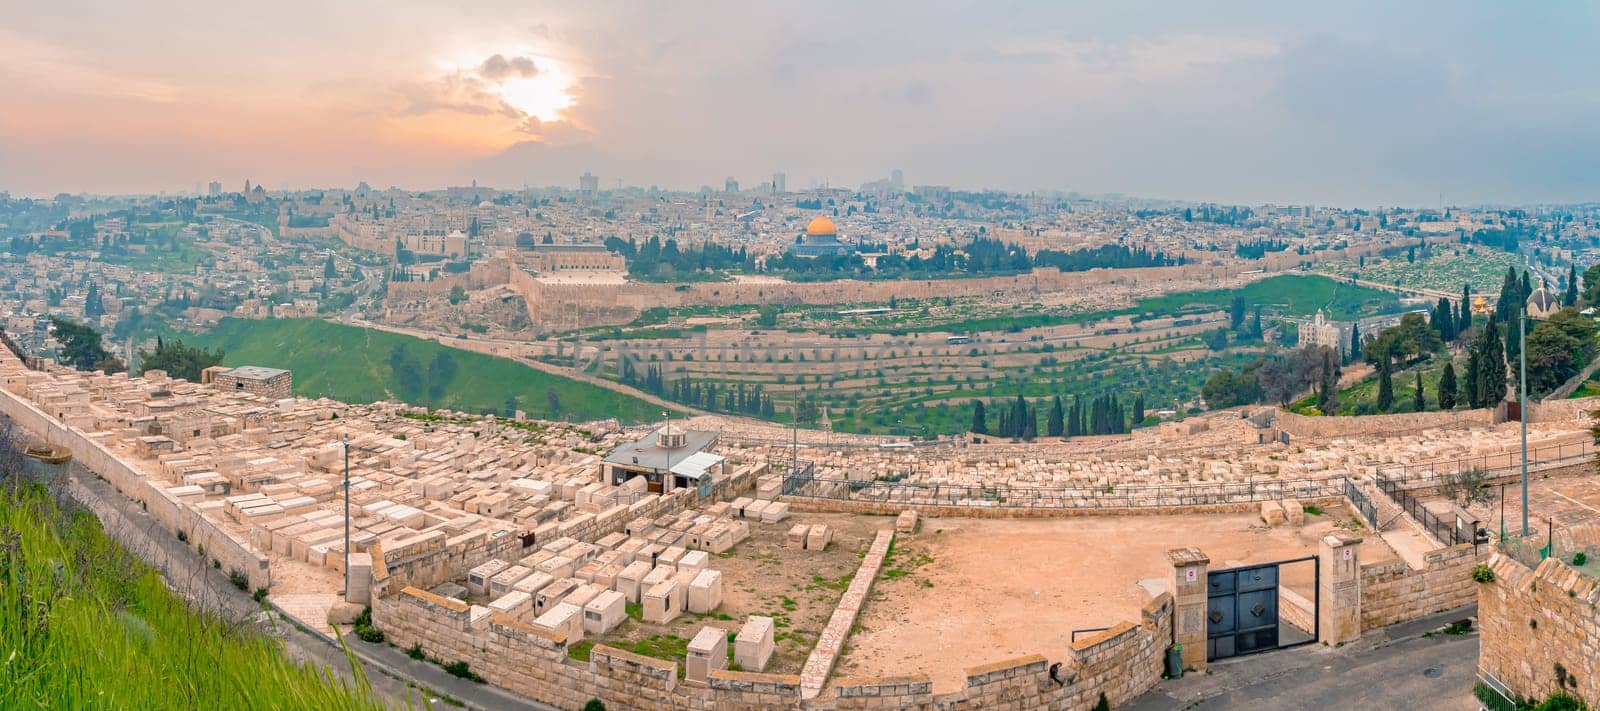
x: 893, y: 508
x: 1296, y: 610
x: 1534, y: 622
x: 1121, y: 663
x: 231, y: 552
x: 1560, y: 410
x: 832, y: 639
x: 1298, y: 425
x: 1396, y: 592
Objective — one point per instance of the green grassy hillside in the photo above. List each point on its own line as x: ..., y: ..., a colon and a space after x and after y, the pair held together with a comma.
x: 355, y: 365
x: 84, y: 624
x: 1286, y: 295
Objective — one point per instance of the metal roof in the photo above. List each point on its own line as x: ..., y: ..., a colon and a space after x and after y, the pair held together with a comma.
x: 697, y: 466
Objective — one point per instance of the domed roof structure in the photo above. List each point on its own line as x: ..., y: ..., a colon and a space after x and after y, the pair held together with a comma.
x: 821, y: 226
x: 1541, y: 302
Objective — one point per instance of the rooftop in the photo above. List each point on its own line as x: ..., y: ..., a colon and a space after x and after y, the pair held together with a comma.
x: 255, y: 372
x: 647, y: 452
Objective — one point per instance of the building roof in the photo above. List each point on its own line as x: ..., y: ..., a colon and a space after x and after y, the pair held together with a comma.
x: 697, y: 466
x: 254, y: 372
x: 647, y: 452
x: 1542, y: 300
x: 821, y: 226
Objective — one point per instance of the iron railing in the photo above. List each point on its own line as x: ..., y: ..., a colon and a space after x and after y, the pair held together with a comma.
x: 1447, y: 531
x: 1361, y: 502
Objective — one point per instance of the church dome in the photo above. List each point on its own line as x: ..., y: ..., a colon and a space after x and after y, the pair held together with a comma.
x: 1541, y: 301
x: 821, y: 226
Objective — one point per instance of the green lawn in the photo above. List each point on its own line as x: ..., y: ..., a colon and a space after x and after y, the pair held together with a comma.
x: 1286, y: 295
x: 352, y: 364
x: 86, y: 625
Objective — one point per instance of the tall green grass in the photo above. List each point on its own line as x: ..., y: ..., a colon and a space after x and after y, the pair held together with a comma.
x: 85, y: 624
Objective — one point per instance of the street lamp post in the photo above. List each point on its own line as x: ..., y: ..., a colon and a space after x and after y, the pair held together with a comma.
x: 1523, y: 413
x: 347, y: 514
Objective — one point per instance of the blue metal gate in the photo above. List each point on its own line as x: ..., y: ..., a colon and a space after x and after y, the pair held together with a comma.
x: 1242, y: 610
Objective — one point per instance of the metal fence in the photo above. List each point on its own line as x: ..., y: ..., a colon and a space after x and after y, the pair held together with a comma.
x: 1548, y: 456
x: 1449, y: 531
x: 1362, y: 502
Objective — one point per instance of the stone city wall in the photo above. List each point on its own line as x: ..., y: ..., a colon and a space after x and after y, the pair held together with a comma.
x: 999, y: 510
x: 1121, y: 663
x: 1396, y: 592
x: 1298, y: 425
x: 1537, y: 626
x: 1560, y: 410
x: 482, y: 275
x: 231, y: 552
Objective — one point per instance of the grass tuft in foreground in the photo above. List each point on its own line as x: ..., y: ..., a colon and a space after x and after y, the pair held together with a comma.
x: 85, y: 624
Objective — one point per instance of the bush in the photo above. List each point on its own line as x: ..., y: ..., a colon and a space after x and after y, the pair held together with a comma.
x: 183, y: 537
x: 1482, y: 573
x: 594, y: 705
x: 239, y: 579
x: 259, y: 595
x: 462, y: 670
x: 415, y: 652
x: 368, y: 633
x: 1103, y: 704
x: 1579, y: 559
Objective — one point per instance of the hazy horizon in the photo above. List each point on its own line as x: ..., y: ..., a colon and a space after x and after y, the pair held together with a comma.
x: 1354, y: 105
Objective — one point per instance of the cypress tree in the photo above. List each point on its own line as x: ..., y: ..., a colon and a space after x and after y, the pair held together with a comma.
x: 1465, y: 324
x: 1054, y: 424
x: 980, y: 421
x: 1492, y: 367
x: 1473, y: 391
x: 1417, y: 403
x: 1447, y: 387
x: 1570, y: 296
x: 1138, y: 409
x: 1385, y: 386
x: 1355, y: 343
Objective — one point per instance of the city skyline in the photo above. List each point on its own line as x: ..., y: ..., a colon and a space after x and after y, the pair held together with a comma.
x: 1472, y: 103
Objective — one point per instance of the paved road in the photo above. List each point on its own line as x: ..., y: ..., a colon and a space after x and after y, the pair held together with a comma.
x: 1394, y: 668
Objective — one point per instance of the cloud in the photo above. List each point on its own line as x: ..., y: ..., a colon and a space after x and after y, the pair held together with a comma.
x: 499, y: 68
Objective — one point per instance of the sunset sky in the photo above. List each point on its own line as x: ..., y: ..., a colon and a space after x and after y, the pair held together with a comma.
x: 1333, y: 103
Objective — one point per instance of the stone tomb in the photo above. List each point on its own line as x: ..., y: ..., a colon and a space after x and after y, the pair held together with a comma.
x: 708, y: 651
x: 752, y: 649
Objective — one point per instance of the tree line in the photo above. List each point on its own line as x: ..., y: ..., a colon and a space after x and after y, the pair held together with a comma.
x: 1019, y: 418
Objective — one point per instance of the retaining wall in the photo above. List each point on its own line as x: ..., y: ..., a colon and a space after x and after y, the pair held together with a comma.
x: 1396, y: 592
x: 1298, y: 425
x: 230, y: 551
x: 1532, y: 621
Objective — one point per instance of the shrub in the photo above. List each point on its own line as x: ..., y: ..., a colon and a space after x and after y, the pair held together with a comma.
x: 1103, y: 704
x: 594, y: 705
x: 368, y: 633
x: 1482, y: 573
x: 461, y: 669
x: 239, y: 579
x: 1579, y: 559
x: 415, y: 652
x: 183, y: 537
x: 259, y: 595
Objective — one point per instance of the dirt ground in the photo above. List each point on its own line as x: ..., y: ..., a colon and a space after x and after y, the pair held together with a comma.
x: 964, y: 592
x: 798, y: 589
x: 1563, y: 500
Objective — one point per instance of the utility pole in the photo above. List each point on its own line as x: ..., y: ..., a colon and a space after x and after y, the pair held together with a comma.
x: 1523, y: 414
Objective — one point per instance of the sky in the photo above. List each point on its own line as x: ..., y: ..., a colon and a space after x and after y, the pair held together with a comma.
x: 1350, y: 103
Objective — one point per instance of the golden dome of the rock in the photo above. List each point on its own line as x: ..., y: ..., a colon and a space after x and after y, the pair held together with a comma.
x: 821, y: 226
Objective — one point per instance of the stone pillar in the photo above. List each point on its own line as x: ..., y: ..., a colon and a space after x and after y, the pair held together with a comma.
x: 358, y: 579
x: 1339, y: 589
x: 1189, y: 602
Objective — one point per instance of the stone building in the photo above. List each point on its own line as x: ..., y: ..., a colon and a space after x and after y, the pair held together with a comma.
x: 821, y: 239
x: 274, y: 383
x: 670, y: 458
x: 556, y: 258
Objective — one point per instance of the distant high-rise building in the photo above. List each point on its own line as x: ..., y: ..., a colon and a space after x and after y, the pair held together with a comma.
x: 214, y: 188
x: 897, y: 179
x: 589, y: 183
x: 730, y: 185
x: 780, y: 183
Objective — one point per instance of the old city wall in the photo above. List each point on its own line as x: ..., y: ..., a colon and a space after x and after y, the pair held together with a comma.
x: 231, y: 553
x: 1557, y: 410
x: 1396, y: 592
x: 1121, y: 663
x: 1532, y: 622
x: 1298, y: 425
x: 558, y: 306
x: 482, y: 275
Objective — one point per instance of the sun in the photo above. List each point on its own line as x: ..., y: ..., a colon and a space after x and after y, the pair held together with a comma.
x: 543, y: 96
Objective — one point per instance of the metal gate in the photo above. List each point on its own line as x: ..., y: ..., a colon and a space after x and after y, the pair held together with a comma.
x: 1242, y: 615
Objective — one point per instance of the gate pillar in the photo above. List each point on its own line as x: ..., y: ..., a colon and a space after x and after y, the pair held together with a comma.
x: 1339, y: 588
x: 1189, y: 603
